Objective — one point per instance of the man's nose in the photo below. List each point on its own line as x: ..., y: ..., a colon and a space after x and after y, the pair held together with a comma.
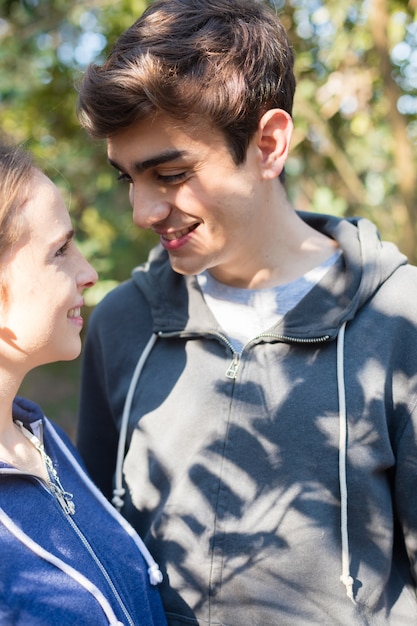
x: 149, y: 208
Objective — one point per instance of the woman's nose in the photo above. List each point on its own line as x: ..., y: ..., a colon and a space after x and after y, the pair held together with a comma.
x: 87, y: 276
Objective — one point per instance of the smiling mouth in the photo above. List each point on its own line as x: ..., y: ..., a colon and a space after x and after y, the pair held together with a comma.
x: 179, y: 233
x: 74, y: 312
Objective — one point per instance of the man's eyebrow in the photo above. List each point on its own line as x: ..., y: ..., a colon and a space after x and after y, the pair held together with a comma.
x: 160, y: 159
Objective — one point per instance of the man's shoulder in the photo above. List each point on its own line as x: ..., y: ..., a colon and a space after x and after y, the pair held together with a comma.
x: 403, y: 282
x: 126, y: 293
x: 122, y: 307
x: 143, y: 286
x: 397, y: 295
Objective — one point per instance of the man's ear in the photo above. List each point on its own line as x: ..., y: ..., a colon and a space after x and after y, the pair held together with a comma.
x: 274, y: 137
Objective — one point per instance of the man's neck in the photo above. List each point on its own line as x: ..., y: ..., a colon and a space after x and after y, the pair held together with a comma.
x: 288, y: 250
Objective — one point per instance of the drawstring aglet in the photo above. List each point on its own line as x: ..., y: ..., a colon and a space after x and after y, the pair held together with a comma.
x: 117, y: 499
x: 348, y: 583
x: 155, y: 574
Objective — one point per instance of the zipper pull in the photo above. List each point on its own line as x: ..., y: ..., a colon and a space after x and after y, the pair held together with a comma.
x: 64, y: 498
x: 233, y: 367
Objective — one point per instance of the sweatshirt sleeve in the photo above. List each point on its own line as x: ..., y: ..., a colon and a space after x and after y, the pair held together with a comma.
x: 97, y: 431
x: 405, y: 486
x: 118, y: 330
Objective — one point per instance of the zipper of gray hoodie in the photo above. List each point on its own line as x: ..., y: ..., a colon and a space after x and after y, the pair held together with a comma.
x: 231, y: 371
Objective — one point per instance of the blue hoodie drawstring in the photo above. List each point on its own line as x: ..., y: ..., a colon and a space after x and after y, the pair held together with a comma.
x: 154, y: 573
x: 61, y: 565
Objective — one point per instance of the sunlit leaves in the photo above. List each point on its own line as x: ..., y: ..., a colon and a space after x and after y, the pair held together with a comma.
x: 347, y: 139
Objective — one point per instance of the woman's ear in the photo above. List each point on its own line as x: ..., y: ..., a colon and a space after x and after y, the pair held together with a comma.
x: 274, y: 137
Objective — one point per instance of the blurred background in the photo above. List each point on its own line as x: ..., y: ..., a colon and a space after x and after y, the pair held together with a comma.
x: 353, y: 153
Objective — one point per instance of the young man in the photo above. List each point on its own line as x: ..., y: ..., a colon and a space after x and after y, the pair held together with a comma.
x: 253, y: 387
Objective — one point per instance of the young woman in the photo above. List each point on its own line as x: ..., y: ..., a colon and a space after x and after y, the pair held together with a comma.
x: 66, y: 556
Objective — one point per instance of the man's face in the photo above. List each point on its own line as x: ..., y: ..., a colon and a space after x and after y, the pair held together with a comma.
x: 185, y: 186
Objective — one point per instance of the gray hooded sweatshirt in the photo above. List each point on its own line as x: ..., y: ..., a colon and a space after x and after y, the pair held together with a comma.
x: 277, y: 485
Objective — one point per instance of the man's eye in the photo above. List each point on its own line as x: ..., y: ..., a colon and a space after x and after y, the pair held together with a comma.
x: 124, y: 178
x: 171, y: 178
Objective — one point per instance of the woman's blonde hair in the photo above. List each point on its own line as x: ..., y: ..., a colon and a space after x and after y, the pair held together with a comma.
x: 16, y: 171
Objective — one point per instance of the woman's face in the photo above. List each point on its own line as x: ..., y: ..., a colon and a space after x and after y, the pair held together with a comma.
x: 44, y: 276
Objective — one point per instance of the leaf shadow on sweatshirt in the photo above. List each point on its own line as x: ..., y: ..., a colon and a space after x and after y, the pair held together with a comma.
x: 267, y: 484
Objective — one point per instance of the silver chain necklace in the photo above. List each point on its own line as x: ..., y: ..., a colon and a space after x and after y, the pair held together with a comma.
x: 64, y: 498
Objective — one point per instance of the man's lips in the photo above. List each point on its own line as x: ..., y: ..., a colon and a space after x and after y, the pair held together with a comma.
x: 177, y: 234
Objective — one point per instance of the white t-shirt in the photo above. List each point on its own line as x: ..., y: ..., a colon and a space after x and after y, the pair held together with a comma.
x: 245, y: 313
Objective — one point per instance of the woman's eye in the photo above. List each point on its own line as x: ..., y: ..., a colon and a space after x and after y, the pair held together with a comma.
x: 63, y: 249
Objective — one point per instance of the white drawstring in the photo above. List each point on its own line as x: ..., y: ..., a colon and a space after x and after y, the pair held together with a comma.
x: 346, y: 578
x: 154, y: 573
x: 60, y: 564
x: 119, y: 491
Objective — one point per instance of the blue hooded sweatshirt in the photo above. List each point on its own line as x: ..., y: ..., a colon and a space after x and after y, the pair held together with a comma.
x: 68, y: 559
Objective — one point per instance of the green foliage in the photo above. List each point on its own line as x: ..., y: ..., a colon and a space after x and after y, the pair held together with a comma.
x: 353, y: 148
x: 44, y: 47
x: 355, y: 112
x: 343, y: 159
